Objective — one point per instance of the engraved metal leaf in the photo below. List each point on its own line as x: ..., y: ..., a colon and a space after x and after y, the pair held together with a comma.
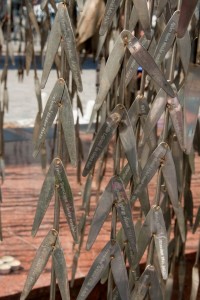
x: 95, y: 272
x: 147, y: 62
x: 126, y: 174
x: 52, y: 48
x: 166, y: 40
x: 111, y: 69
x: 127, y: 138
x: 49, y: 113
x: 39, y: 262
x: 176, y: 114
x: 155, y: 290
x: 87, y: 193
x: 101, y: 213
x: 156, y: 111
x: 124, y: 211
x: 67, y: 120
x: 150, y: 168
x: 103, y: 137
x: 169, y: 174
x: 141, y: 286
x: 132, y: 65
x: 161, y: 241
x: 145, y: 234
x: 69, y: 44
x: 65, y: 196
x: 177, y: 155
x: 110, y: 10
x: 45, y: 197
x: 61, y: 271
x: 119, y: 272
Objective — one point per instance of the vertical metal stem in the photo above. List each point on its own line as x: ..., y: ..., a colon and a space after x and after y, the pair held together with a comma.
x: 57, y: 200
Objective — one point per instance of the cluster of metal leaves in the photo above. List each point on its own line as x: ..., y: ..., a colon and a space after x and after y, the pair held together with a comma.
x: 59, y: 105
x: 169, y: 86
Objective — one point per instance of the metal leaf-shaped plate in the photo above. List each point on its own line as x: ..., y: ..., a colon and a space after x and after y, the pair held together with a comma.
x: 145, y: 234
x: 111, y: 69
x: 132, y: 65
x: 161, y: 241
x: 150, y: 168
x: 127, y: 138
x: 101, y: 213
x: 141, y: 286
x: 166, y: 40
x: 65, y: 196
x: 169, y: 174
x: 49, y: 113
x: 67, y: 120
x: 59, y: 264
x: 103, y: 137
x: 155, y: 290
x: 74, y: 267
x: 119, y: 272
x: 124, y: 211
x: 45, y: 197
x: 39, y: 262
x: 176, y: 114
x: 156, y: 111
x: 69, y: 44
x: 52, y: 48
x: 126, y: 174
x: 96, y: 271
x: 110, y: 10
x: 147, y: 62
